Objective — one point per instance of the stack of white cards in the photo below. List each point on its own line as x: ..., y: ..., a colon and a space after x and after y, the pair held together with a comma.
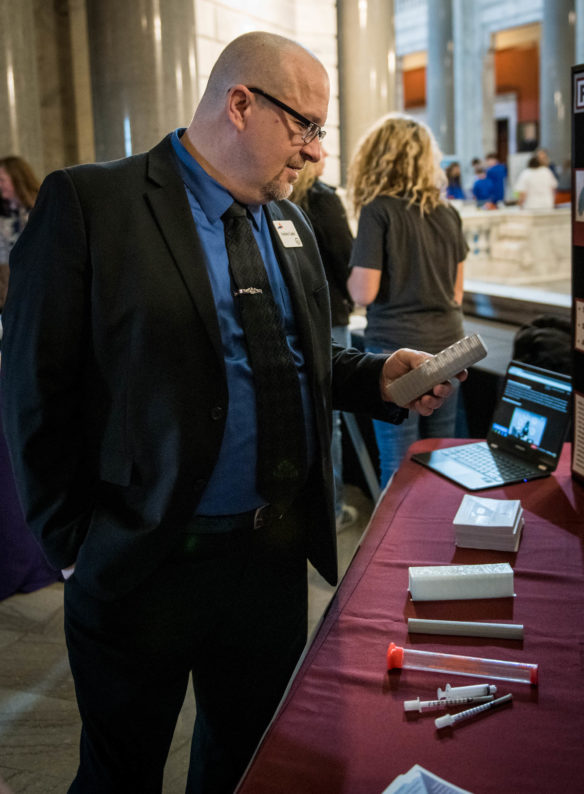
x: 482, y: 523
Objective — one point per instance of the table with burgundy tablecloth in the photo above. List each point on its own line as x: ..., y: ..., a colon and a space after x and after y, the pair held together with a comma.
x: 342, y: 729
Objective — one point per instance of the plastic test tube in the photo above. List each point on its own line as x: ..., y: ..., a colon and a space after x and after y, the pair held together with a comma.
x: 398, y: 657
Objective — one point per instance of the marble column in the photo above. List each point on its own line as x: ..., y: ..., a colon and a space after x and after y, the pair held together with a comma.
x: 81, y: 81
x: 556, y: 59
x: 63, y: 82
x: 143, y: 72
x: 20, y: 130
x: 399, y: 85
x: 440, y: 74
x: 470, y: 54
x: 367, y: 88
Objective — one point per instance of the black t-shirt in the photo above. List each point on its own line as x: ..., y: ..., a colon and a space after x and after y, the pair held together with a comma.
x: 418, y: 256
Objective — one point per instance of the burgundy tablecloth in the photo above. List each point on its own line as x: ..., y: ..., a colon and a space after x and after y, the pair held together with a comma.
x: 342, y: 727
x: 23, y: 567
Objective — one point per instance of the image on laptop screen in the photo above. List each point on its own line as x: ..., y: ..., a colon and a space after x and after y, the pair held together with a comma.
x: 532, y: 411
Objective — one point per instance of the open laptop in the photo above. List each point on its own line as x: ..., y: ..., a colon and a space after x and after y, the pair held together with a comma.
x: 526, y: 435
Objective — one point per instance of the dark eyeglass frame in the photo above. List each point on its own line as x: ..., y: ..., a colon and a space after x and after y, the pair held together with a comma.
x: 313, y: 130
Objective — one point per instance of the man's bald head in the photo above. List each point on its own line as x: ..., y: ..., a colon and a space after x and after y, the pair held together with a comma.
x: 256, y: 59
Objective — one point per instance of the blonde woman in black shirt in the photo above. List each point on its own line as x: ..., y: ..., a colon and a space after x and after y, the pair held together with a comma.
x: 407, y: 260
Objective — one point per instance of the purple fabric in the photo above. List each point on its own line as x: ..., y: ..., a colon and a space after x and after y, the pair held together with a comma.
x: 23, y: 567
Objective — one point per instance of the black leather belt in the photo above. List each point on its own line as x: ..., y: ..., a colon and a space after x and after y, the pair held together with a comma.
x: 252, y: 519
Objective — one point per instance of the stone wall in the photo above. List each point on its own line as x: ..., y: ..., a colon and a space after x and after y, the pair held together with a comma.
x: 518, y: 247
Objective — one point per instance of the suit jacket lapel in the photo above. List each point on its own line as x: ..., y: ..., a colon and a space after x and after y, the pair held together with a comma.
x: 168, y: 202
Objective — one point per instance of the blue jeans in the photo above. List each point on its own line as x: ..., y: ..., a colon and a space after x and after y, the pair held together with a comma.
x: 342, y: 336
x: 393, y: 440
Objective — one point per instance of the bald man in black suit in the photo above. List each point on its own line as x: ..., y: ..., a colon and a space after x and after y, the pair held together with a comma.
x: 128, y: 405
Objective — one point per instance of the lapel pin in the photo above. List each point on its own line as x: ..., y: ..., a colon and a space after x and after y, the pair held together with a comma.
x: 248, y: 291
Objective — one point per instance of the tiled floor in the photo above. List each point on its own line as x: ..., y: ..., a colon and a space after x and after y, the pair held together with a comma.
x: 39, y: 723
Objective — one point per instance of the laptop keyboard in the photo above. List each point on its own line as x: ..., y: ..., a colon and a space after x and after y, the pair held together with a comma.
x: 482, y: 460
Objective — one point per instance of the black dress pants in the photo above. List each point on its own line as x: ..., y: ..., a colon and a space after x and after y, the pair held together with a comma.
x: 230, y: 608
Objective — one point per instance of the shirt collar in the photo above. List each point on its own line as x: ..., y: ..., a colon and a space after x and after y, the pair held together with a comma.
x: 213, y: 198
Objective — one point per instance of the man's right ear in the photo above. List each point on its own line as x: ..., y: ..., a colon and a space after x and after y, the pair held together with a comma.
x: 238, y: 106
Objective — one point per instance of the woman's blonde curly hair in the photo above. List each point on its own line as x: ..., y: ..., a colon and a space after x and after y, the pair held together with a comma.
x: 397, y: 156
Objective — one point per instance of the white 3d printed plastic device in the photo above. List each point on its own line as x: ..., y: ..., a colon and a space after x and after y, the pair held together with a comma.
x: 449, y: 582
x: 444, y: 365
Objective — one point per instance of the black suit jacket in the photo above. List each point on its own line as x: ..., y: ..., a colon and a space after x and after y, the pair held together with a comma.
x: 114, y: 393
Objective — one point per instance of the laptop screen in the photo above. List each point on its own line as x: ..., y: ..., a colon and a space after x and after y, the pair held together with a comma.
x: 533, y: 412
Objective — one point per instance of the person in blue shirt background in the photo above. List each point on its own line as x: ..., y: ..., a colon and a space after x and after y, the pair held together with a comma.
x: 454, y: 189
x: 483, y: 188
x: 497, y: 173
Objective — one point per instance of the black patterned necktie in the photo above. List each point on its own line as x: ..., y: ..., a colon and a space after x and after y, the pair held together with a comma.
x: 281, y: 467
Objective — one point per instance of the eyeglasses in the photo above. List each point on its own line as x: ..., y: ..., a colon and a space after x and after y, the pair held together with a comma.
x: 312, y: 129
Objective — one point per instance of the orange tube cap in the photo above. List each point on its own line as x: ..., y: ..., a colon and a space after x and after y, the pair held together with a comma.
x: 395, y: 656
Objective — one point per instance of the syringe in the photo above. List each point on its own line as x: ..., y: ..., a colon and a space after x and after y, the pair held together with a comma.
x: 451, y: 719
x: 474, y: 690
x: 443, y: 703
x: 461, y: 665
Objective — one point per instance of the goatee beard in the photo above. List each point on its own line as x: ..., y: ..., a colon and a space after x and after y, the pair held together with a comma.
x: 276, y: 191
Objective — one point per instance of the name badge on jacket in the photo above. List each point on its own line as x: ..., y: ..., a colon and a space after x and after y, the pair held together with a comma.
x: 288, y: 234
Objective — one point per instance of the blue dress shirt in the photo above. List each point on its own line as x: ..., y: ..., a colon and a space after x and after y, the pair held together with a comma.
x: 232, y: 486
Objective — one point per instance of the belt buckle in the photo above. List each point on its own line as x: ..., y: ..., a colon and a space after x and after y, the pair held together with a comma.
x: 263, y: 514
